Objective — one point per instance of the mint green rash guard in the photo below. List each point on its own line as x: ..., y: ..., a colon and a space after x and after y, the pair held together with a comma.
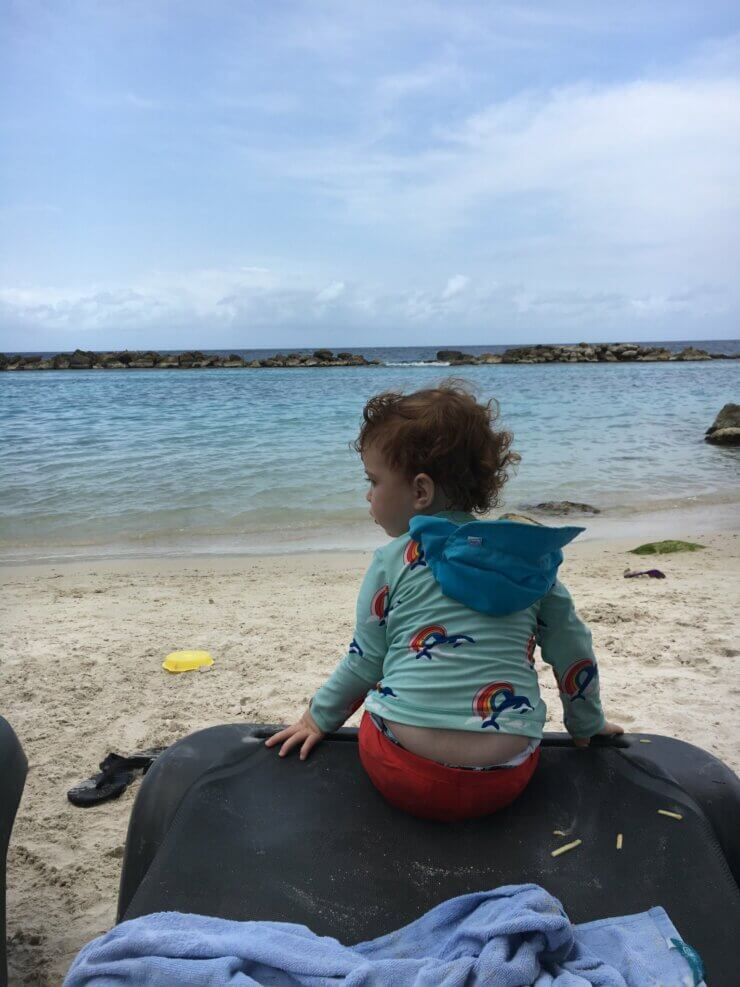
x: 464, y: 659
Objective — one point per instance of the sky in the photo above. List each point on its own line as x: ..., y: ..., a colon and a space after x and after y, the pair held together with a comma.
x: 225, y: 174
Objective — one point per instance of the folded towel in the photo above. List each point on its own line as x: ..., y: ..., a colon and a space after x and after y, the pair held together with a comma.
x: 511, y: 937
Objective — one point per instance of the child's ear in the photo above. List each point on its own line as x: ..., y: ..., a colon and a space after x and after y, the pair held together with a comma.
x: 423, y: 490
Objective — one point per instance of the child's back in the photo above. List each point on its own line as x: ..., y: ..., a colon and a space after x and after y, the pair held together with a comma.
x: 447, y: 623
x: 448, y: 618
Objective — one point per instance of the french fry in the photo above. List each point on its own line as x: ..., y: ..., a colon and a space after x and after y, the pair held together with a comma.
x: 671, y: 815
x: 558, y: 832
x: 565, y: 848
x: 619, y: 841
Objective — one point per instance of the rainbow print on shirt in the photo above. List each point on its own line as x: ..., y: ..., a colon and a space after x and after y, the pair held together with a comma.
x: 433, y: 636
x: 379, y: 607
x: 496, y: 697
x: 579, y: 679
x: 531, y: 645
x: 413, y: 555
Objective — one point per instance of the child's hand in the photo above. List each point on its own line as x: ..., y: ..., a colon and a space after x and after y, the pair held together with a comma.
x: 608, y: 730
x: 305, y: 732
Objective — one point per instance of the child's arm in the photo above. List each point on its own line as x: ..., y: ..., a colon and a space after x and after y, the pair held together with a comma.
x: 359, y: 670
x: 565, y: 642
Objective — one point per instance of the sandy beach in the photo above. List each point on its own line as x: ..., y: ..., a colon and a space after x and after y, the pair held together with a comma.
x: 81, y: 676
x: 279, y: 275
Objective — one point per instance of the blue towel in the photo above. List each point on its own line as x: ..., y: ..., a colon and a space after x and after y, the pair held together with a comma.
x: 511, y: 937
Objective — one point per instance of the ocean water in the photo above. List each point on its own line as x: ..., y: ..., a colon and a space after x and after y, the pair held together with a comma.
x: 109, y: 463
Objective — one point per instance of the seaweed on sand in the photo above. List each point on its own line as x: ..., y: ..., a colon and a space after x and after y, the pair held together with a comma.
x: 665, y: 547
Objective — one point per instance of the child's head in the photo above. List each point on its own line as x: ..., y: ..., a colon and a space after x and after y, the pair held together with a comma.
x: 429, y: 451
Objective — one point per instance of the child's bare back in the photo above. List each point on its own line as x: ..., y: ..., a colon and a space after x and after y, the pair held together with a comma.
x: 459, y: 746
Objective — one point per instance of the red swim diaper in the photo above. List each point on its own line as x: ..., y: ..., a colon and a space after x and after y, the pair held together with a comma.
x: 430, y: 790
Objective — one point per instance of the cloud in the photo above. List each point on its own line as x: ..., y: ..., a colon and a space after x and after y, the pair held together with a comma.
x: 82, y: 311
x: 239, y: 307
x: 120, y: 101
x: 422, y: 79
x: 455, y: 286
x: 271, y: 103
x: 573, y: 194
x: 331, y: 292
x: 615, y: 166
x: 623, y: 180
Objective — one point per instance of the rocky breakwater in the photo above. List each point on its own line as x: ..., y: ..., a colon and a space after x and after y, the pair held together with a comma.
x: 191, y: 359
x: 581, y: 353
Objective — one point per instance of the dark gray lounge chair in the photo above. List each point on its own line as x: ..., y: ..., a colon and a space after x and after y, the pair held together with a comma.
x: 13, y: 769
x: 222, y: 826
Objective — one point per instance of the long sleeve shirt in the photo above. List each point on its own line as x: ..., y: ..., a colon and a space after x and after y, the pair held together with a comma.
x: 423, y: 658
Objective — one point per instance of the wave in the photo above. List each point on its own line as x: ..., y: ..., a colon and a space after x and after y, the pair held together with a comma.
x: 418, y: 363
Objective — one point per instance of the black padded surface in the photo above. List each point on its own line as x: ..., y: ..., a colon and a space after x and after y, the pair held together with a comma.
x: 223, y: 827
x: 13, y: 768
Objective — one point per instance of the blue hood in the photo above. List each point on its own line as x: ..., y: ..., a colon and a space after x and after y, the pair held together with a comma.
x: 495, y: 567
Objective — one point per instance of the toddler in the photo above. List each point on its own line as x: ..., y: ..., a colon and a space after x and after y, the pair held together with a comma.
x: 448, y: 618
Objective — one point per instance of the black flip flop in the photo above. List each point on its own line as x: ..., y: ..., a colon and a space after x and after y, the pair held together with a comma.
x: 116, y: 774
x: 134, y: 762
x: 100, y: 788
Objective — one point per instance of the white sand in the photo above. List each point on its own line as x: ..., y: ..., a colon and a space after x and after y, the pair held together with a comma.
x: 81, y: 676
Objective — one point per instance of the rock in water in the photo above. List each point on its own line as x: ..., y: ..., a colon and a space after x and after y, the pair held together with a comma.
x: 691, y: 353
x: 519, y: 518
x: 80, y: 360
x: 564, y: 507
x: 454, y: 356
x: 725, y: 429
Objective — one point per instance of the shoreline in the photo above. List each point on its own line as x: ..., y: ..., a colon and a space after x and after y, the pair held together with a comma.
x: 648, y: 521
x: 82, y: 676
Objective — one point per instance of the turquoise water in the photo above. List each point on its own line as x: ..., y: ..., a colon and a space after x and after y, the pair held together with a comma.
x: 138, y: 462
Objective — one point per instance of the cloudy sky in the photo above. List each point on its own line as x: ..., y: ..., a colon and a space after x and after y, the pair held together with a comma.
x: 217, y: 173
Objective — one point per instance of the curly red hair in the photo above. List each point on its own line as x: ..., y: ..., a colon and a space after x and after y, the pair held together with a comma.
x: 444, y: 432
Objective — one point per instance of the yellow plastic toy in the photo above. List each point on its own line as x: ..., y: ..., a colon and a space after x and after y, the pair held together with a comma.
x: 187, y: 661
